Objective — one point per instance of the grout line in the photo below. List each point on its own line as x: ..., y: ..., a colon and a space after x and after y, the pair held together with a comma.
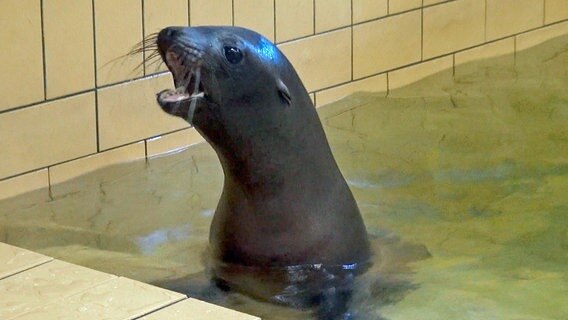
x: 274, y: 16
x: 28, y: 269
x: 313, y: 19
x: 97, y: 121
x: 95, y: 90
x: 352, y: 42
x: 146, y: 150
x: 544, y: 12
x: 388, y: 84
x: 161, y: 308
x: 42, y: 26
x: 233, y: 12
x: 515, y: 51
x: 143, y: 37
x: 454, y: 65
x: 49, y: 191
x: 422, y: 31
x: 94, y: 42
x: 188, y: 13
x: 485, y: 23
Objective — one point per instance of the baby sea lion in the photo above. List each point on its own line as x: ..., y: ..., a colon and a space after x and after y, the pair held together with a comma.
x: 287, y: 228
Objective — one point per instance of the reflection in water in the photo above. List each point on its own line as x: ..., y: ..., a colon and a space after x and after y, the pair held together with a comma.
x: 148, y: 244
x: 461, y: 178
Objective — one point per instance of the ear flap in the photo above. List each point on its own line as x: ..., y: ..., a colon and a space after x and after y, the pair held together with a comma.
x: 283, y: 91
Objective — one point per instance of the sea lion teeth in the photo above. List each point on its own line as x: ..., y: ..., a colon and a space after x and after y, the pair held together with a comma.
x: 173, y: 96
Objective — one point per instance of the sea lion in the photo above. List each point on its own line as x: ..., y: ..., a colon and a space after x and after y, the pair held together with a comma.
x: 286, y: 222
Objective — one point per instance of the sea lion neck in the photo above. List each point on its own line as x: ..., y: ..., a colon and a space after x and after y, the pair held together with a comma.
x: 248, y: 156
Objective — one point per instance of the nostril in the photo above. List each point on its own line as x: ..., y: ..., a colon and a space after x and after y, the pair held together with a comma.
x: 169, y: 33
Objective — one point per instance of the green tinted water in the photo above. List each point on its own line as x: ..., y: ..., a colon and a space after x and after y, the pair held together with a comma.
x: 471, y: 165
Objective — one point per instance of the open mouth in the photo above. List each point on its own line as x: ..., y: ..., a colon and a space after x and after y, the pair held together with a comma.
x: 188, y: 87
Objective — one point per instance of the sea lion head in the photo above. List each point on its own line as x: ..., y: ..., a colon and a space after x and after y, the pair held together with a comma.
x: 222, y: 74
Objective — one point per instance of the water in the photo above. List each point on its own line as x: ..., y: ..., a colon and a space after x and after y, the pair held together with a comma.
x: 462, y: 180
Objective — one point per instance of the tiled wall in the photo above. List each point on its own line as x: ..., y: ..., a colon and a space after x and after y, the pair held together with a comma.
x: 69, y: 103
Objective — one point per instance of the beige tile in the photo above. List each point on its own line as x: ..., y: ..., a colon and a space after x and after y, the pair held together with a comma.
x: 46, y: 134
x: 507, y: 17
x: 118, y: 27
x: 453, y: 26
x: 134, y: 103
x: 211, y: 12
x: 119, y: 298
x: 69, y: 56
x: 533, y: 38
x: 257, y: 15
x: 406, y: 76
x: 492, y: 59
x: 24, y: 183
x: 372, y: 84
x: 21, y: 62
x: 173, y: 142
x: 44, y: 284
x: 332, y: 14
x: 322, y: 60
x: 495, y: 49
x: 555, y: 10
x: 386, y: 44
x: 396, y: 6
x: 14, y: 260
x: 294, y: 19
x: 69, y: 170
x: 198, y: 310
x: 364, y: 10
x: 431, y: 2
x: 490, y: 50
x: 313, y: 98
x: 156, y: 18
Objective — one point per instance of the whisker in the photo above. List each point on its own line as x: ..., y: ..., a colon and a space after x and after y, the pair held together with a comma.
x: 153, y: 59
x: 139, y: 66
x: 147, y: 44
x: 155, y: 67
x: 186, y: 78
x: 191, y: 111
x: 153, y: 55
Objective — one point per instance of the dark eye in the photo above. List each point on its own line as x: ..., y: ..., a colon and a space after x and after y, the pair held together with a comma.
x: 234, y: 55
